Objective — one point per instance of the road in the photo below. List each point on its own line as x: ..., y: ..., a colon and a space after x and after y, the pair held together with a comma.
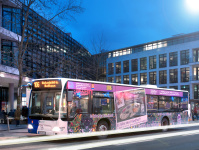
x: 173, y: 139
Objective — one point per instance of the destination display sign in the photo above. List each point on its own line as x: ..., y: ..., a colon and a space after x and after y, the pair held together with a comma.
x: 47, y: 84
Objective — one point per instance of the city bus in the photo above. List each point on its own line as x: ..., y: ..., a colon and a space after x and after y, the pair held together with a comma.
x: 64, y: 106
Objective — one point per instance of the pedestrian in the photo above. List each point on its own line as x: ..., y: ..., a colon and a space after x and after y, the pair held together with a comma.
x: 17, y: 116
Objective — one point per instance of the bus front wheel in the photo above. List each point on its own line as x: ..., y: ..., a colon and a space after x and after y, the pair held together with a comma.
x: 102, y: 126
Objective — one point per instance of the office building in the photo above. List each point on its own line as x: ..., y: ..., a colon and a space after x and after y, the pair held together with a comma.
x: 168, y: 63
x: 50, y: 52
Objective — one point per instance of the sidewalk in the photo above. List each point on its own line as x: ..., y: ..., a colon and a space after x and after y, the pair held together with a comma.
x: 4, y: 127
x: 15, y: 132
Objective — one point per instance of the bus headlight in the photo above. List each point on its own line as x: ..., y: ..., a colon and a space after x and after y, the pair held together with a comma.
x: 56, y: 129
x: 30, y: 126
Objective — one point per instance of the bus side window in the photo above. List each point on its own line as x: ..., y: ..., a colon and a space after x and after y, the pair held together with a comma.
x: 152, y: 103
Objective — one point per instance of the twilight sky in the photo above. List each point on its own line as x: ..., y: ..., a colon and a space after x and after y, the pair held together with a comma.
x: 126, y: 23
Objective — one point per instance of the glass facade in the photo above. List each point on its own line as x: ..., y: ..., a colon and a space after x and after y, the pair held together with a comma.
x: 163, y: 77
x: 111, y: 79
x: 195, y: 73
x: 134, y: 79
x: 184, y: 57
x: 162, y: 60
x: 8, y: 52
x: 3, y: 99
x: 134, y: 65
x: 110, y: 68
x: 118, y: 67
x: 196, y: 91
x: 126, y: 66
x: 173, y: 59
x: 143, y: 78
x: 173, y: 75
x: 50, y: 52
x: 11, y: 19
x: 152, y: 62
x: 174, y: 87
x: 152, y: 78
x: 118, y: 79
x: 184, y: 74
x: 185, y: 87
x: 143, y: 63
x: 126, y: 79
x: 196, y: 55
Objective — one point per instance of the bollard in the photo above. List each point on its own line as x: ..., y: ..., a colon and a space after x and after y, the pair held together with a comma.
x: 8, y: 123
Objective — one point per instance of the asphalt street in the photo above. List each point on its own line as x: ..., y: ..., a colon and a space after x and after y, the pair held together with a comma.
x: 173, y: 139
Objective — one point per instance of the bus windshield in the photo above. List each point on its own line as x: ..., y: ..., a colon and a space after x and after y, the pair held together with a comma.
x: 45, y: 105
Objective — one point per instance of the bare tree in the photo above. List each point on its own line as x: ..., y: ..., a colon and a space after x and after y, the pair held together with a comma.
x: 100, y: 54
x: 52, y: 10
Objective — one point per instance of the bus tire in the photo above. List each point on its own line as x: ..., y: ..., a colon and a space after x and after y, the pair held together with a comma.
x: 102, y: 126
x: 165, y: 122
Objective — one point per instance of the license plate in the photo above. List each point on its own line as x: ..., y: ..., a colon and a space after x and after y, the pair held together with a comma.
x: 42, y: 132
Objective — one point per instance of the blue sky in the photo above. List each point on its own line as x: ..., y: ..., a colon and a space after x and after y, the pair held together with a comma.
x: 126, y: 23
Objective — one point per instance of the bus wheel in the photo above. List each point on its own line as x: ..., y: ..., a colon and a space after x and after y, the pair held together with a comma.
x: 165, y: 122
x: 102, y: 126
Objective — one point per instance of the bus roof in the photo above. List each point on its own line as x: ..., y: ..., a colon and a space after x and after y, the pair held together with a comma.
x: 98, y: 82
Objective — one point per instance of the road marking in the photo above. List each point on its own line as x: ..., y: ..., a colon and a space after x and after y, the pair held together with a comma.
x: 125, y: 141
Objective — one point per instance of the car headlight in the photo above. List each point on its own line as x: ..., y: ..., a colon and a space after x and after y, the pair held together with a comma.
x: 30, y: 126
x: 56, y: 129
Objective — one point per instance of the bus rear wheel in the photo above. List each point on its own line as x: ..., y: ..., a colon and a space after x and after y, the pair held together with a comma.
x: 102, y: 126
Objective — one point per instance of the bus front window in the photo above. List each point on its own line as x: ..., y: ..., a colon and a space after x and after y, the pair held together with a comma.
x: 45, y: 105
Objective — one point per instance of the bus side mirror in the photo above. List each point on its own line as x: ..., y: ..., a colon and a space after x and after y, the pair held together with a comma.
x: 70, y: 96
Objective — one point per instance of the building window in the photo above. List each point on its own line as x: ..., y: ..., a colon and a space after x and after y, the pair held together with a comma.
x: 143, y: 78
x: 134, y: 79
x: 195, y: 74
x: 196, y: 91
x: 118, y: 79
x: 173, y: 87
x: 111, y: 79
x: 118, y: 67
x: 184, y: 57
x: 134, y: 65
x: 163, y: 77
x: 173, y: 75
x: 126, y: 79
x: 4, y: 93
x: 152, y: 62
x: 173, y: 59
x: 184, y: 74
x: 185, y: 87
x: 143, y: 63
x: 126, y: 66
x: 196, y: 55
x: 162, y: 60
x: 110, y: 68
x: 11, y: 19
x: 152, y: 78
x: 163, y: 87
x: 7, y: 53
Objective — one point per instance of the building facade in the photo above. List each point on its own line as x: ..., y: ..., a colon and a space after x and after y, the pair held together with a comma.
x: 168, y: 63
x: 50, y: 51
